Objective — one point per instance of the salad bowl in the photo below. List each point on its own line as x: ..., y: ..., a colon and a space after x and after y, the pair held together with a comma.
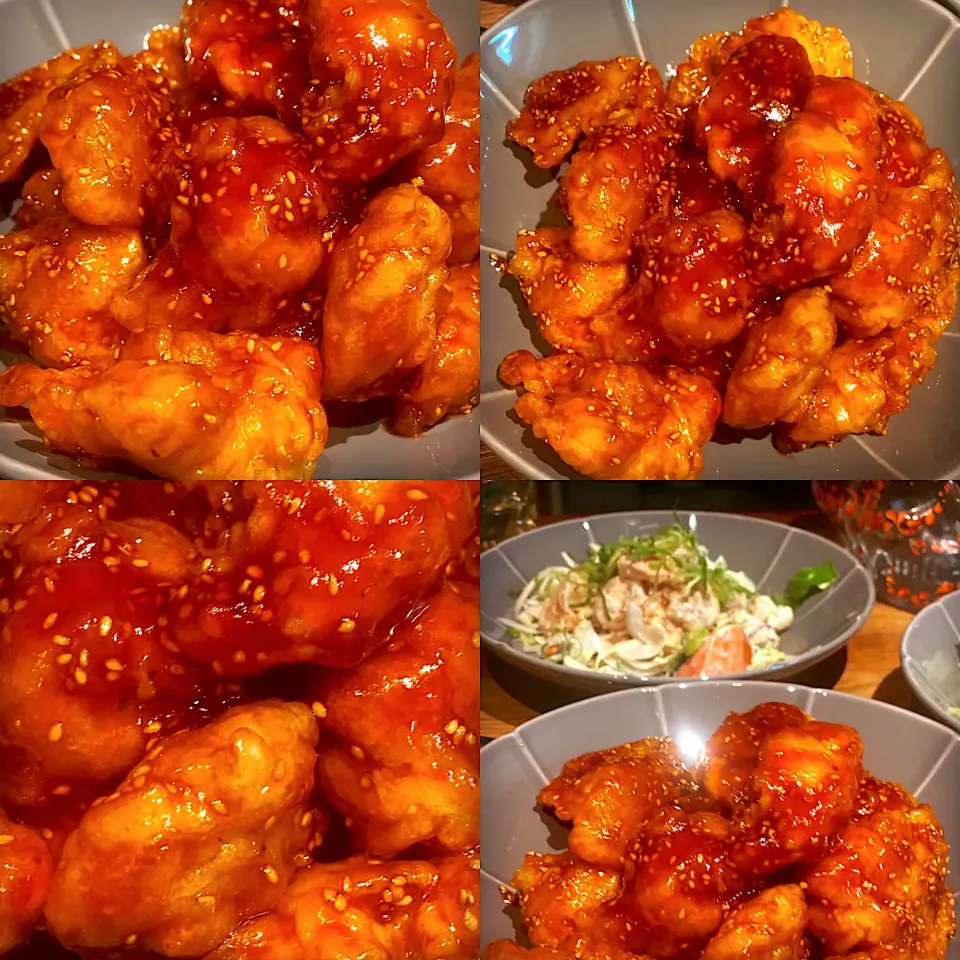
x: 757, y: 553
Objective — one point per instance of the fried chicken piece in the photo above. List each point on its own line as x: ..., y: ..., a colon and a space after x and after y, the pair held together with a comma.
x: 563, y: 291
x: 688, y: 188
x: 401, y: 755
x: 911, y: 241
x: 249, y: 230
x: 609, y: 796
x: 898, y: 859
x: 380, y: 317
x: 447, y: 381
x: 823, y: 187
x: 164, y: 51
x: 561, y: 106
x: 270, y: 237
x: 694, y: 76
x: 22, y: 501
x: 509, y: 950
x: 611, y: 185
x: 450, y: 169
x: 252, y: 49
x: 201, y: 836
x: 802, y: 791
x: 700, y: 279
x: 678, y: 884
x: 41, y: 199
x: 629, y: 331
x: 386, y: 71
x: 400, y: 910
x: 185, y: 405
x: 746, y: 105
x: 57, y: 280
x: 768, y: 926
x: 903, y: 145
x: 87, y: 674
x: 25, y: 871
x: 826, y: 48
x: 616, y: 420
x: 340, y: 564
x: 782, y: 361
x: 24, y: 98
x: 733, y: 750
x: 869, y: 381
x: 559, y: 897
x: 106, y: 133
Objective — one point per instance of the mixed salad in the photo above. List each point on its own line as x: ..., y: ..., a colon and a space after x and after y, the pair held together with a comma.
x: 657, y: 606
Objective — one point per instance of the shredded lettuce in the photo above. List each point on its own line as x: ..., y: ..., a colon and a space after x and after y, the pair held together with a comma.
x: 671, y: 599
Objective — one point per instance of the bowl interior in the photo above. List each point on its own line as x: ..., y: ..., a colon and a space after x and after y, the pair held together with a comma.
x: 917, y: 64
x: 769, y: 553
x: 922, y: 755
x: 930, y: 655
x: 32, y: 32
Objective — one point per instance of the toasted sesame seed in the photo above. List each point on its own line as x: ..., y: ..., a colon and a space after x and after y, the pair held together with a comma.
x: 319, y: 709
x: 271, y: 874
x: 416, y: 494
x: 347, y: 626
x: 56, y: 732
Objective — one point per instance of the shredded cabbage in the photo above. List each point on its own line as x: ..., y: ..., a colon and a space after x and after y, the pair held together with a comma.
x: 643, y: 606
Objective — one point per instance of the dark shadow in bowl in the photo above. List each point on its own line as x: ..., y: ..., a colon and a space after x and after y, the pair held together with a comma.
x: 558, y: 835
x: 354, y: 415
x: 81, y: 467
x: 726, y: 435
x: 543, y: 451
x: 552, y: 215
x: 533, y: 175
x: 512, y: 286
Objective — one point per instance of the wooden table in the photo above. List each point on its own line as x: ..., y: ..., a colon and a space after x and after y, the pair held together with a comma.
x: 491, y: 466
x: 869, y: 666
x: 491, y: 12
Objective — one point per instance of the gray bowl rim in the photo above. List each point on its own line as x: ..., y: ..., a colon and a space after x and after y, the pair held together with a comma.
x: 911, y: 667
x: 787, y: 667
x: 773, y: 688
x: 516, y: 458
